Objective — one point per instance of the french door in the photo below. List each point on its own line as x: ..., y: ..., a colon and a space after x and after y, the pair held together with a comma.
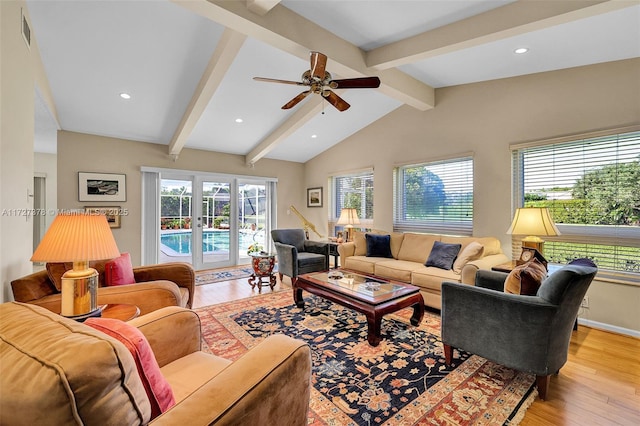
x: 211, y: 220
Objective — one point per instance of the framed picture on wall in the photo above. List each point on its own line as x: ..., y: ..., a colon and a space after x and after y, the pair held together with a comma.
x: 314, y: 197
x: 113, y: 214
x: 101, y: 187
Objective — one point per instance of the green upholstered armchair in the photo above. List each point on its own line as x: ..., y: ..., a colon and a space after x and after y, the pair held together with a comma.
x: 297, y: 255
x: 526, y: 333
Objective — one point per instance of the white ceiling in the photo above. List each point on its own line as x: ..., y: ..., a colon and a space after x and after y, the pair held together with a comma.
x: 158, y: 51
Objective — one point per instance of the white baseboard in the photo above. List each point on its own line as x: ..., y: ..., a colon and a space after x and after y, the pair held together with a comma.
x: 609, y: 327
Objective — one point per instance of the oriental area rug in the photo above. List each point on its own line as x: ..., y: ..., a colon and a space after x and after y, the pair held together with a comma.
x: 217, y: 275
x: 403, y: 381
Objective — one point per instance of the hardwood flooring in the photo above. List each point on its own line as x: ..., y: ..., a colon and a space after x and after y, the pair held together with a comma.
x: 599, y: 384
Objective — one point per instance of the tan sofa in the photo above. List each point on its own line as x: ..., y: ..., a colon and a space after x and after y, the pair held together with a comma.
x: 157, y: 286
x: 410, y: 252
x: 57, y: 371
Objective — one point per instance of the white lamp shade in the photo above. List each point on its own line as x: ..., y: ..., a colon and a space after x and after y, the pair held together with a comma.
x: 533, y: 221
x: 348, y: 217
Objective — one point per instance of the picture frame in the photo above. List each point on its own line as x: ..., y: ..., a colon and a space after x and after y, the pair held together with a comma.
x: 107, y: 187
x: 314, y: 197
x: 113, y: 214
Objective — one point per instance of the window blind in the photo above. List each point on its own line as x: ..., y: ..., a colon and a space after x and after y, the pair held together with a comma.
x: 435, y: 197
x: 354, y: 191
x: 592, y: 189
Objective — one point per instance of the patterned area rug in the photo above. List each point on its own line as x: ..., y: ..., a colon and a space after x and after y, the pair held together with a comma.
x: 216, y: 275
x: 403, y: 381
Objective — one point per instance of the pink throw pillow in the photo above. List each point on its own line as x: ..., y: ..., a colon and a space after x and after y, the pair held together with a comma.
x: 119, y: 271
x: 158, y: 389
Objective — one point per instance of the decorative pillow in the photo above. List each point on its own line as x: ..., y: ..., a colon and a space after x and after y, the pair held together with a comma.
x: 157, y: 388
x: 378, y: 245
x: 443, y: 255
x: 119, y: 271
x: 525, y: 279
x: 471, y: 252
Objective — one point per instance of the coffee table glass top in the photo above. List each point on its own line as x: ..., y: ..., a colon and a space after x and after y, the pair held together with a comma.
x: 358, y: 284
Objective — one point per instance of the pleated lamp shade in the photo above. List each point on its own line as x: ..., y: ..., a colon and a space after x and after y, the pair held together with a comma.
x: 533, y: 221
x: 74, y: 237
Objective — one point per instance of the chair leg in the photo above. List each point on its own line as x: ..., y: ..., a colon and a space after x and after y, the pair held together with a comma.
x: 542, y: 383
x: 280, y: 275
x: 448, y: 354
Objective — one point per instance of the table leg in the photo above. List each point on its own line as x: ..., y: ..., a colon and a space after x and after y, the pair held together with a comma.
x: 375, y: 324
x: 297, y: 297
x: 418, y: 314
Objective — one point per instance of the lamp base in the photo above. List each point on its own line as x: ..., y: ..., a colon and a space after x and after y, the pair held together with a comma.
x: 79, y: 291
x: 534, y: 242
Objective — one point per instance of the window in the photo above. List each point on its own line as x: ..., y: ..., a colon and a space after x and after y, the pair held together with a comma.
x: 435, y: 197
x: 591, y: 186
x: 354, y: 191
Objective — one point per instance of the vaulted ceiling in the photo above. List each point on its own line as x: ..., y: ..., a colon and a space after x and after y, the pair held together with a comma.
x: 188, y: 65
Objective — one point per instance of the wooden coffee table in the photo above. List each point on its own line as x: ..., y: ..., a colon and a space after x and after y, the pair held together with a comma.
x: 354, y: 291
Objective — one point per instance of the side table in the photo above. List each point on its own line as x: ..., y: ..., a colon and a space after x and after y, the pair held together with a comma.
x: 333, y: 251
x: 121, y: 311
x: 263, y: 275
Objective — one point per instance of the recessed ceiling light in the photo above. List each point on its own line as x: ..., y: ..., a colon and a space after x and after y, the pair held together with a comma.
x: 521, y: 50
x: 314, y: 136
x: 239, y: 120
x: 125, y: 96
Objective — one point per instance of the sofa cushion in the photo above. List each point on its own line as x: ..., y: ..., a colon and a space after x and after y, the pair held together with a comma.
x: 87, y: 376
x: 119, y: 271
x: 188, y: 373
x: 525, y: 279
x: 491, y: 246
x: 472, y: 251
x: 416, y: 247
x: 399, y: 270
x: 361, y: 264
x: 443, y: 255
x: 157, y: 389
x: 431, y: 278
x: 378, y: 245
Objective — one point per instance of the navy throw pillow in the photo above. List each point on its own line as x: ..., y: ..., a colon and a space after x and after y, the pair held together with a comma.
x: 443, y: 255
x: 378, y: 245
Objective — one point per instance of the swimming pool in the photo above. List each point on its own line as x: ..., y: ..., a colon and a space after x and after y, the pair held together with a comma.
x: 179, y: 243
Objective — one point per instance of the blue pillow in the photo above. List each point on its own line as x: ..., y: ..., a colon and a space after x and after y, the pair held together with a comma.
x: 443, y: 255
x: 378, y: 245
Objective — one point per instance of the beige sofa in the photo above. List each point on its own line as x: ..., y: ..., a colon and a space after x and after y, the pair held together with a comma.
x: 57, y: 371
x: 410, y: 252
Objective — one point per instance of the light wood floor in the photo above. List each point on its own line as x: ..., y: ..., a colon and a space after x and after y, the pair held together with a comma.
x: 599, y: 384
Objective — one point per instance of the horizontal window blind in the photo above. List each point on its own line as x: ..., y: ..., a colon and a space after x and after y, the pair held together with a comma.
x: 435, y: 197
x: 354, y: 191
x: 592, y: 189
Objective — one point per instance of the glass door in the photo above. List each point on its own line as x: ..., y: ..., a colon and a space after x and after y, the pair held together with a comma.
x: 252, y: 218
x: 175, y: 220
x: 214, y: 224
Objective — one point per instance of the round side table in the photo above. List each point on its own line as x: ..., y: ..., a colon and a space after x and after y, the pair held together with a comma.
x: 262, y: 270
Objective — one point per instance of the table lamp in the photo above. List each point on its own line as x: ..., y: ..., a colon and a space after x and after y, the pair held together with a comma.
x: 78, y: 238
x: 348, y: 218
x: 533, y: 222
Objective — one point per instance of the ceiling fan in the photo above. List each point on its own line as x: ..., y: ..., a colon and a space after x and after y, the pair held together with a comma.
x: 319, y: 81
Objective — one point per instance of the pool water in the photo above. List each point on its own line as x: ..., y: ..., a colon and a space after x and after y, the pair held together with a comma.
x: 212, y: 241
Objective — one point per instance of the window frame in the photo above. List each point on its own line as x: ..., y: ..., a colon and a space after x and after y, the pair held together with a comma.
x: 594, y: 235
x: 335, y: 208
x: 448, y: 227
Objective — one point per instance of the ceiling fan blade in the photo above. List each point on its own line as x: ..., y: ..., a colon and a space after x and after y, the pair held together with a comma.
x: 318, y: 64
x: 356, y: 83
x: 273, y: 80
x: 335, y: 100
x: 293, y: 102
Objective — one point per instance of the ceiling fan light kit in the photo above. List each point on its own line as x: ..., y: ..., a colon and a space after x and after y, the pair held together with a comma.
x: 320, y: 82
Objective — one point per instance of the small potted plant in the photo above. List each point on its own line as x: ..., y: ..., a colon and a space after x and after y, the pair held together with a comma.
x: 254, y: 249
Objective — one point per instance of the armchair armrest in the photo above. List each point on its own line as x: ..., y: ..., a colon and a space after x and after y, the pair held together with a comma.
x: 520, y: 323
x: 178, y: 272
x: 173, y: 332
x: 493, y: 280
x: 32, y: 287
x: 148, y: 296
x: 287, y: 259
x: 316, y: 247
x: 270, y: 384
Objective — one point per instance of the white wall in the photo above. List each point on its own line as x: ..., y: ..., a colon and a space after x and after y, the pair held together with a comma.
x: 484, y: 119
x: 47, y: 165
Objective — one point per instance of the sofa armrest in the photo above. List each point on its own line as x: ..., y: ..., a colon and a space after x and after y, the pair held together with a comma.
x: 345, y: 250
x: 269, y: 385
x: 173, y: 332
x: 468, y: 273
x: 178, y: 272
x: 148, y: 296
